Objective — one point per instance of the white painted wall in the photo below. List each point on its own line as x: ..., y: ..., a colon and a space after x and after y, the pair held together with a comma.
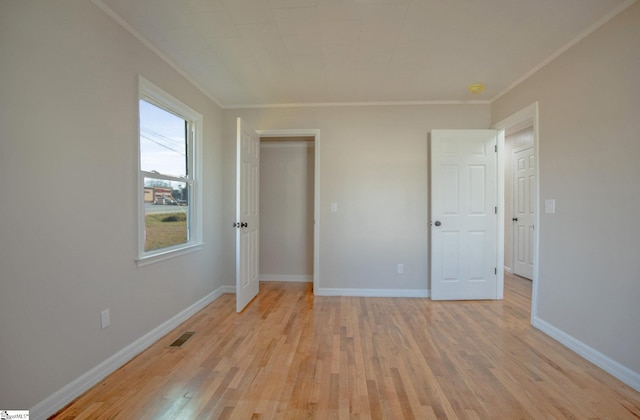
x: 286, y: 210
x: 68, y: 233
x: 373, y: 164
x: 589, y: 101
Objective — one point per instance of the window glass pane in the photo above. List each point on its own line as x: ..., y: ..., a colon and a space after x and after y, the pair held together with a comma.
x: 163, y: 141
x: 166, y: 213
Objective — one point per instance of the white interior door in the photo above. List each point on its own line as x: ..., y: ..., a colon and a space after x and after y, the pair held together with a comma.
x: 247, y: 222
x: 524, y: 170
x: 464, y: 226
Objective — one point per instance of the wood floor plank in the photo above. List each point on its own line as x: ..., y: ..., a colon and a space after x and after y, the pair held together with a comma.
x: 290, y: 355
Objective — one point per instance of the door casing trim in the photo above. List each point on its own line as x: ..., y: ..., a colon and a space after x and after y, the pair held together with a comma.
x: 315, y: 132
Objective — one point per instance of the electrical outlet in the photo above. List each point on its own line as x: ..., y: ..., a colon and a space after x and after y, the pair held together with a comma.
x: 105, y: 318
x: 400, y: 269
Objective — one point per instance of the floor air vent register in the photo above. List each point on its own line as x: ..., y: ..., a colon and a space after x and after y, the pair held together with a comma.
x: 182, y: 340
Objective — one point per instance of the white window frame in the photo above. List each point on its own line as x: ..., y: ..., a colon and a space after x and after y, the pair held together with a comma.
x: 151, y: 93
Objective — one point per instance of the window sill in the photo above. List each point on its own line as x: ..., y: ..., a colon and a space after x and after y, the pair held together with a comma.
x: 162, y: 256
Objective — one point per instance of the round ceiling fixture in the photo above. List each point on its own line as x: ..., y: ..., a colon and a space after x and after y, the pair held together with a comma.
x: 476, y: 88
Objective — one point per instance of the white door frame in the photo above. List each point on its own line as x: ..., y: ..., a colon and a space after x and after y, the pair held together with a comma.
x: 526, y: 117
x: 316, y: 190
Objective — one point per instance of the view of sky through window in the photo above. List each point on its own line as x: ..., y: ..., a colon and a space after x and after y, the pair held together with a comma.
x: 163, y: 146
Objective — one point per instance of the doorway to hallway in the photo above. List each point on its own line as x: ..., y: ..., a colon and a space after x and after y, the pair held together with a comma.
x: 286, y: 208
x: 526, y: 118
x: 520, y: 201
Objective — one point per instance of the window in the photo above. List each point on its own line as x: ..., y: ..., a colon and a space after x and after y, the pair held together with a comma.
x: 168, y: 186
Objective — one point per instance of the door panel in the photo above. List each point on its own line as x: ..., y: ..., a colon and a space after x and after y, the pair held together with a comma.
x: 450, y: 188
x: 247, y: 215
x: 463, y: 203
x: 477, y: 193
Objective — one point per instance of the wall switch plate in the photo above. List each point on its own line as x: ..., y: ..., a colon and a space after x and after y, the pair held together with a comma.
x: 105, y: 318
x: 550, y: 206
x: 334, y: 207
x: 400, y: 268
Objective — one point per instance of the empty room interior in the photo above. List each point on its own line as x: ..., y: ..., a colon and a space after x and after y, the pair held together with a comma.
x: 360, y: 208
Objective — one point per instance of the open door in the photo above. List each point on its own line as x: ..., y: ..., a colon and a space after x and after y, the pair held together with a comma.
x: 464, y: 206
x: 524, y: 170
x: 247, y: 222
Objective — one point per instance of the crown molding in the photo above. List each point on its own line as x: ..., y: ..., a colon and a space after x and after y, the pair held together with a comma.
x: 591, y: 29
x: 346, y: 104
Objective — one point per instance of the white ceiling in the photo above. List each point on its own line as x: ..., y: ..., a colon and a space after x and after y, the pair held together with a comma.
x: 275, y: 52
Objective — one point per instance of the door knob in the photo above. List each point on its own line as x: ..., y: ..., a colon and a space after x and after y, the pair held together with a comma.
x: 515, y: 219
x: 437, y: 223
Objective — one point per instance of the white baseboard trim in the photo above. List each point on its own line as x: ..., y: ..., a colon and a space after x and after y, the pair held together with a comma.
x: 606, y: 363
x: 73, y: 390
x: 306, y: 278
x: 418, y: 293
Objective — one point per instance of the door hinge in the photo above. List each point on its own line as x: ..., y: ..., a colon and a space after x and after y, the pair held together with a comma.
x: 495, y: 148
x: 495, y: 270
x: 496, y: 209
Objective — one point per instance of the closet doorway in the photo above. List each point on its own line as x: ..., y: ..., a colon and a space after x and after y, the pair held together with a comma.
x: 288, y: 234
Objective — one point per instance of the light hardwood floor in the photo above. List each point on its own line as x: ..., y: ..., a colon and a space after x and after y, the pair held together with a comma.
x: 291, y: 355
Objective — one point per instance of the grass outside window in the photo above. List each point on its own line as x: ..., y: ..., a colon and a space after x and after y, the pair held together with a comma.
x: 165, y: 230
